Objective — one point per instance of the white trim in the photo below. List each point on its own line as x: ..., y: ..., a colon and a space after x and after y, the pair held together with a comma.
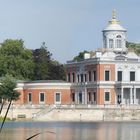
x: 41, y: 102
x: 107, y: 102
x: 109, y: 74
x: 56, y: 102
x: 28, y: 97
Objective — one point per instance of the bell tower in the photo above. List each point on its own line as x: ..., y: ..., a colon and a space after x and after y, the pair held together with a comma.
x: 114, y: 35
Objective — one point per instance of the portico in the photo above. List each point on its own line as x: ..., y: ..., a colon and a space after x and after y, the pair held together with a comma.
x: 128, y: 95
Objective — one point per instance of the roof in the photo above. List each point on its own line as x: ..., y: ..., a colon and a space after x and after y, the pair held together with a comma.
x: 114, y: 27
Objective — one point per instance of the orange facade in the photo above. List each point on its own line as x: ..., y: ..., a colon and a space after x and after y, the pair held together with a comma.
x: 92, y: 89
x: 50, y: 94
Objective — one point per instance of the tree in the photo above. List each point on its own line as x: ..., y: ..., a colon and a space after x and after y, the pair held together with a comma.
x: 41, y: 59
x: 45, y: 67
x: 80, y: 56
x: 16, y: 60
x: 57, y: 71
x: 133, y: 46
x: 7, y: 93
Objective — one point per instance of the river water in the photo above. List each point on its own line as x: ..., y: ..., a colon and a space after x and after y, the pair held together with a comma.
x: 71, y: 131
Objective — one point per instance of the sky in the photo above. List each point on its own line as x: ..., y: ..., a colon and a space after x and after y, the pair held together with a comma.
x: 67, y: 26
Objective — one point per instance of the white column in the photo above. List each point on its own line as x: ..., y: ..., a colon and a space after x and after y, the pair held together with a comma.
x: 87, y: 77
x: 84, y: 78
x: 80, y: 77
x: 135, y: 102
x: 77, y: 97
x: 131, y: 96
x: 85, y: 95
x: 122, y: 96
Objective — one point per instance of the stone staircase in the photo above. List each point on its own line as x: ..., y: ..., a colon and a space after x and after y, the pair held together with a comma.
x: 43, y: 112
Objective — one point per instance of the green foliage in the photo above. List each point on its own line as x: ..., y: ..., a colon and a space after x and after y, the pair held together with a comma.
x: 16, y: 60
x: 41, y: 59
x: 45, y: 67
x: 7, y: 119
x: 23, y: 63
x: 80, y: 56
x: 7, y: 89
x: 133, y: 46
x: 57, y: 71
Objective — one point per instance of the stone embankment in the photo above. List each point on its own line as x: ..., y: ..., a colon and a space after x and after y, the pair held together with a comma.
x: 53, y: 113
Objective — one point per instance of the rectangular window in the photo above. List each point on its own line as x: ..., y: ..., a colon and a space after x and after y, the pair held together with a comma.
x: 73, y: 97
x: 73, y: 77
x: 132, y: 76
x: 107, y: 75
x: 57, y: 98
x: 78, y: 77
x: 89, y: 97
x: 110, y: 43
x: 29, y: 97
x: 68, y: 77
x: 119, y: 43
x: 119, y: 78
x: 89, y: 73
x: 94, y: 74
x: 82, y: 80
x: 94, y: 96
x: 107, y: 96
x: 42, y: 97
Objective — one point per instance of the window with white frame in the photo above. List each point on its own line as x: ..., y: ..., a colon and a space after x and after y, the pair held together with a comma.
x: 132, y: 75
x: 119, y: 75
x: 41, y: 97
x: 110, y: 43
x: 107, y: 96
x: 57, y: 97
x: 30, y: 97
x: 107, y: 75
x: 118, y: 43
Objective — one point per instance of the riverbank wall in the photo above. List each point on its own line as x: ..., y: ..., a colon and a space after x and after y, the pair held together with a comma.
x: 54, y: 113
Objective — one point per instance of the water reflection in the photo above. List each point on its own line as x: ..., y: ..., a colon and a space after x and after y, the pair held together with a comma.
x: 72, y: 131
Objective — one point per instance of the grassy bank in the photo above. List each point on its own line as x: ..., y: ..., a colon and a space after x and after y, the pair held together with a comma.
x: 7, y: 119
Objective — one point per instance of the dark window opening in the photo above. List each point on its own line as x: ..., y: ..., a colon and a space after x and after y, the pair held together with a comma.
x: 119, y: 76
x: 73, y: 97
x: 68, y: 77
x: 42, y: 97
x: 73, y: 77
x: 82, y: 79
x: 132, y: 76
x: 30, y: 97
x: 94, y: 73
x: 89, y: 73
x: 107, y: 75
x: 57, y: 97
x: 78, y: 77
x: 107, y: 96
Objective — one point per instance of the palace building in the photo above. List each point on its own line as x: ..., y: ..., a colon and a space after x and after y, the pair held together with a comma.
x: 110, y: 75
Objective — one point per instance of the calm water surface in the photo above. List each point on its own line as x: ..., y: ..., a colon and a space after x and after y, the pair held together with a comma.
x: 72, y: 131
